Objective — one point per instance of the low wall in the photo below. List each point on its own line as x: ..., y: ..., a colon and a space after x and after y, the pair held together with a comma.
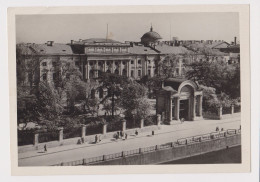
x: 88, y: 139
x: 216, y: 117
x: 175, y: 152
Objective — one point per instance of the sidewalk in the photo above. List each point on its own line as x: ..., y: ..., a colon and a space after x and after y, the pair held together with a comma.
x: 168, y: 133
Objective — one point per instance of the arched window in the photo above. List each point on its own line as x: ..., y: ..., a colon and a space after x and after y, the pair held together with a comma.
x: 116, y: 72
x: 108, y: 71
x: 91, y: 74
x: 124, y: 72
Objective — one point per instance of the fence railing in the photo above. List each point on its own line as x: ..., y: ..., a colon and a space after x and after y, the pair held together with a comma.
x: 178, y: 143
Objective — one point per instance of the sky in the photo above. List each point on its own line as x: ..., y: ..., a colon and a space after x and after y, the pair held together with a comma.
x: 126, y: 27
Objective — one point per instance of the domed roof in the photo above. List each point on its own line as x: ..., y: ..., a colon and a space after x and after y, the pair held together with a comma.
x: 150, y: 36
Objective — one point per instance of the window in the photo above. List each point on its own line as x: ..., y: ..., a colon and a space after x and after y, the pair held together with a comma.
x: 139, y: 61
x: 149, y: 72
x: 139, y: 73
x: 132, y: 62
x: 116, y: 72
x: 77, y: 63
x: 108, y: 63
x: 44, y: 64
x: 100, y: 63
x: 44, y: 76
x: 54, y: 63
x: 54, y: 76
x: 124, y: 72
x: 149, y: 61
x: 124, y: 62
x: 132, y: 73
x: 116, y: 63
x: 91, y: 63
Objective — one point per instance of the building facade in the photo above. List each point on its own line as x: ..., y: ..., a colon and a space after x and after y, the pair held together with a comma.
x: 96, y: 55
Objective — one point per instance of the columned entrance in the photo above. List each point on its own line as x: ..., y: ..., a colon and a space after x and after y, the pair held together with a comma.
x: 179, y: 100
x: 184, y: 111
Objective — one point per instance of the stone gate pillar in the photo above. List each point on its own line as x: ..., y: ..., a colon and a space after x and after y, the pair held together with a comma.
x: 158, y: 119
x: 170, y: 109
x: 104, y: 129
x: 177, y: 108
x: 232, y: 109
x: 200, y: 105
x: 194, y: 108
x: 83, y: 131
x: 123, y: 125
x: 142, y: 123
x: 220, y: 112
x: 60, y: 134
x: 36, y: 139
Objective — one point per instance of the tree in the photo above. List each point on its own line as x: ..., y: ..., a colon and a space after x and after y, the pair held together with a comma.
x: 224, y: 78
x: 113, y: 83
x: 134, y: 101
x: 167, y: 66
x: 27, y: 66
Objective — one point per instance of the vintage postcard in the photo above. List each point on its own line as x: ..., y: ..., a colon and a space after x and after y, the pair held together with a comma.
x: 96, y: 90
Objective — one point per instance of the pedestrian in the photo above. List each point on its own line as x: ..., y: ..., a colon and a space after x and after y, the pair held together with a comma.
x: 118, y: 135
x: 222, y: 129
x: 217, y: 128
x: 182, y: 120
x: 152, y: 132
x: 45, y: 148
x: 136, y: 132
x: 122, y: 134
x: 126, y: 136
x: 96, y: 139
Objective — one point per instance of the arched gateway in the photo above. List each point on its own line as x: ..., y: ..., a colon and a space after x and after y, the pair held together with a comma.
x: 179, y: 99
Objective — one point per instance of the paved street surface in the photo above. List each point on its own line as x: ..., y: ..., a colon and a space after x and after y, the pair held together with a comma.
x: 168, y: 133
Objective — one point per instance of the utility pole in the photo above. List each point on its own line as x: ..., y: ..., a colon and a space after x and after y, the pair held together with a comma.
x: 107, y: 33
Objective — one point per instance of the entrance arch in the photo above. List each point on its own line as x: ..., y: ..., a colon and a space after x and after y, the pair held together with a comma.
x: 179, y: 99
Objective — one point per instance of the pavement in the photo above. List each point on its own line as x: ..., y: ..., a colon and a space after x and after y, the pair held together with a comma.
x: 167, y: 133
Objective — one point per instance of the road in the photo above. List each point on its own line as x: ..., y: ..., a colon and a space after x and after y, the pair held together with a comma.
x: 168, y: 133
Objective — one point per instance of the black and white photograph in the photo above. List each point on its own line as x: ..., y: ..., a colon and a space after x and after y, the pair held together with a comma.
x: 155, y: 89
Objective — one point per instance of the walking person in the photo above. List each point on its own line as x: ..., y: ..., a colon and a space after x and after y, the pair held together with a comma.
x: 45, y: 148
x: 136, y: 132
x: 126, y: 136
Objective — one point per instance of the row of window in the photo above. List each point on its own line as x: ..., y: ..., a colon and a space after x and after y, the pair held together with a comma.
x: 99, y: 63
x: 53, y: 63
x: 107, y: 50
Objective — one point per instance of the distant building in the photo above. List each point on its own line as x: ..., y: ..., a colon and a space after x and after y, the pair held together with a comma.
x: 132, y: 59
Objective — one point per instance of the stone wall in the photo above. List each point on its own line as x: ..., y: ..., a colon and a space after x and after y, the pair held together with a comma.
x: 175, y: 153
x: 88, y: 139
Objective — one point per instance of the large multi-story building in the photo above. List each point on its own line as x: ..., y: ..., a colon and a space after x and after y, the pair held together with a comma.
x: 96, y: 55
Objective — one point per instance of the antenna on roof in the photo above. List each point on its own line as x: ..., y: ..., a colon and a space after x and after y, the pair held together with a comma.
x: 170, y: 30
x: 107, y: 32
x: 151, y: 29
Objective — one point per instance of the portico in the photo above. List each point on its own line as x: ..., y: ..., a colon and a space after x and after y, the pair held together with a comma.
x: 179, y: 99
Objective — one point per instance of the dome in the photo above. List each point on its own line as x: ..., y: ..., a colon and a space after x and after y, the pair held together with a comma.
x: 151, y: 36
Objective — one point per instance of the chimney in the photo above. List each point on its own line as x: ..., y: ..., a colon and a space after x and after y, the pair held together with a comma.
x: 235, y: 41
x: 50, y: 43
x: 71, y: 42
